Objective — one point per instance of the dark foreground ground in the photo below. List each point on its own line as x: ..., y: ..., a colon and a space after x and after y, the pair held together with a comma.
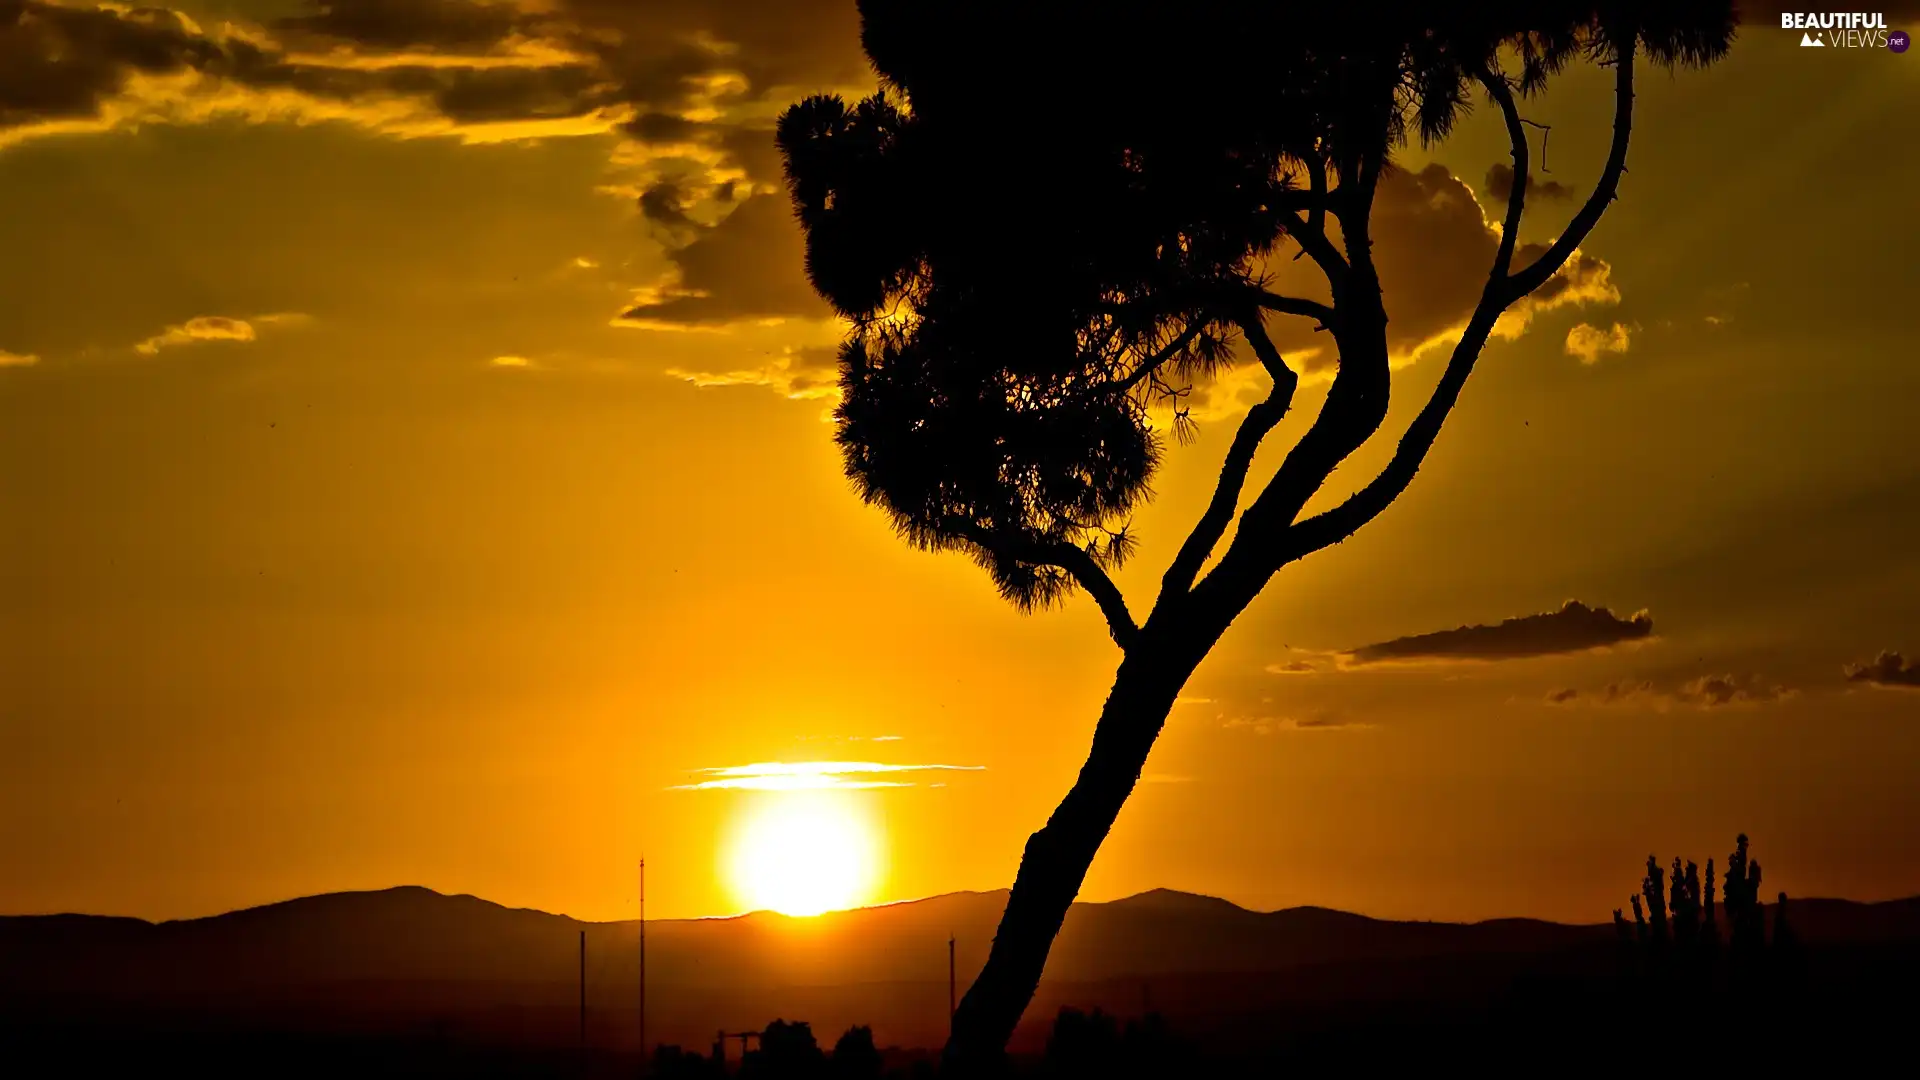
x: 1852, y: 1009
x: 411, y: 983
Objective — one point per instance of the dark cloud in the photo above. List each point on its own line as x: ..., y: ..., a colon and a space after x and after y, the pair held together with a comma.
x: 662, y: 204
x: 61, y: 63
x: 1500, y: 185
x: 435, y: 25
x: 1888, y: 669
x: 659, y: 127
x: 491, y: 95
x: 706, y: 75
x: 754, y: 151
x: 748, y: 266
x: 1575, y: 627
x: 1561, y: 697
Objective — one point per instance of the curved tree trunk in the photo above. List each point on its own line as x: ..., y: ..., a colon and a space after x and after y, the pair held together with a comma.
x: 1056, y: 858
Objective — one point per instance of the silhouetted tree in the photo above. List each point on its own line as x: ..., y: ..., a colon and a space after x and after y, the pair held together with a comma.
x: 1746, y: 924
x: 1058, y: 213
x: 787, y: 1051
x: 1694, y: 956
x: 1653, y: 888
x: 855, y: 1057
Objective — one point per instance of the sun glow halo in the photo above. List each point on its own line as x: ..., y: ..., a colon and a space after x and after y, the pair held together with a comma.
x: 803, y: 853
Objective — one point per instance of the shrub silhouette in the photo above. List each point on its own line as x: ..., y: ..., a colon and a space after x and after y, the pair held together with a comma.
x: 1030, y: 262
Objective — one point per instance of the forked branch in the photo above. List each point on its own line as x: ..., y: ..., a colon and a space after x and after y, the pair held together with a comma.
x: 1335, y: 525
x: 1260, y: 420
x: 1532, y: 277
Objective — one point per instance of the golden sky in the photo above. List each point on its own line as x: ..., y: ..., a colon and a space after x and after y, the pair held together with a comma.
x: 414, y: 469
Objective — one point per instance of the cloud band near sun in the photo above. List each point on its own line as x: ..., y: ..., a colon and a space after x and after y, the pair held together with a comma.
x: 813, y: 776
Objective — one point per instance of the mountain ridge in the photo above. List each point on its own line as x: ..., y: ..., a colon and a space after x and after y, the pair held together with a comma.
x: 409, y: 955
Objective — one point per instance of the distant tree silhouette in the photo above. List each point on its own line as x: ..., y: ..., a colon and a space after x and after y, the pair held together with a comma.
x: 855, y: 1057
x: 1057, y: 214
x: 787, y: 1051
x: 1693, y: 954
x: 1653, y: 888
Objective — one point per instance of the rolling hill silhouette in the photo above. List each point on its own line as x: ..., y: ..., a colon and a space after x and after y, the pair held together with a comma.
x: 409, y: 959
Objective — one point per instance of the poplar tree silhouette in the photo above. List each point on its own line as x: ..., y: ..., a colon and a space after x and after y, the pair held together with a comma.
x: 1055, y: 215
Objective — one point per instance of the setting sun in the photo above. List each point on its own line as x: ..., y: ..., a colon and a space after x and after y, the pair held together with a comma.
x: 803, y: 853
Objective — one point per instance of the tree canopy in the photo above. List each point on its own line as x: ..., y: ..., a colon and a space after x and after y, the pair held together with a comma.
x: 1052, y: 217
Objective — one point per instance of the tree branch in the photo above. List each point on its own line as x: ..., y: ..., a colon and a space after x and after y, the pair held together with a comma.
x: 1074, y: 561
x: 1087, y: 572
x: 1317, y: 182
x: 1335, y: 525
x: 1259, y: 420
x: 1536, y: 275
x: 1293, y: 305
x: 1314, y: 242
x: 1153, y: 362
x: 1496, y: 83
x: 1332, y: 526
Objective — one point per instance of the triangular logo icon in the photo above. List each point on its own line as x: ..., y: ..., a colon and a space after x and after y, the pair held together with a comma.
x: 1809, y: 40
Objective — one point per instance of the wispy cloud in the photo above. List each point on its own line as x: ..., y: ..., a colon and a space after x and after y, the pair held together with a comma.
x: 1589, y: 342
x: 198, y: 328
x: 812, y: 776
x: 1322, y: 721
x: 218, y: 328
x: 798, y: 373
x: 1704, y: 692
x: 12, y: 359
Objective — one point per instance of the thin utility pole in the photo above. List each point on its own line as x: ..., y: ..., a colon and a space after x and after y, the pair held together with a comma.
x: 644, y: 1059
x: 583, y: 999
x: 951, y: 1006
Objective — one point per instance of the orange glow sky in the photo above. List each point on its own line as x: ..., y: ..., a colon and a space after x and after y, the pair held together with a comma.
x: 350, y: 536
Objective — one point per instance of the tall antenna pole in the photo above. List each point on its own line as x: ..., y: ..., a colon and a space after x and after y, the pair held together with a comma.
x: 951, y: 1007
x: 643, y: 968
